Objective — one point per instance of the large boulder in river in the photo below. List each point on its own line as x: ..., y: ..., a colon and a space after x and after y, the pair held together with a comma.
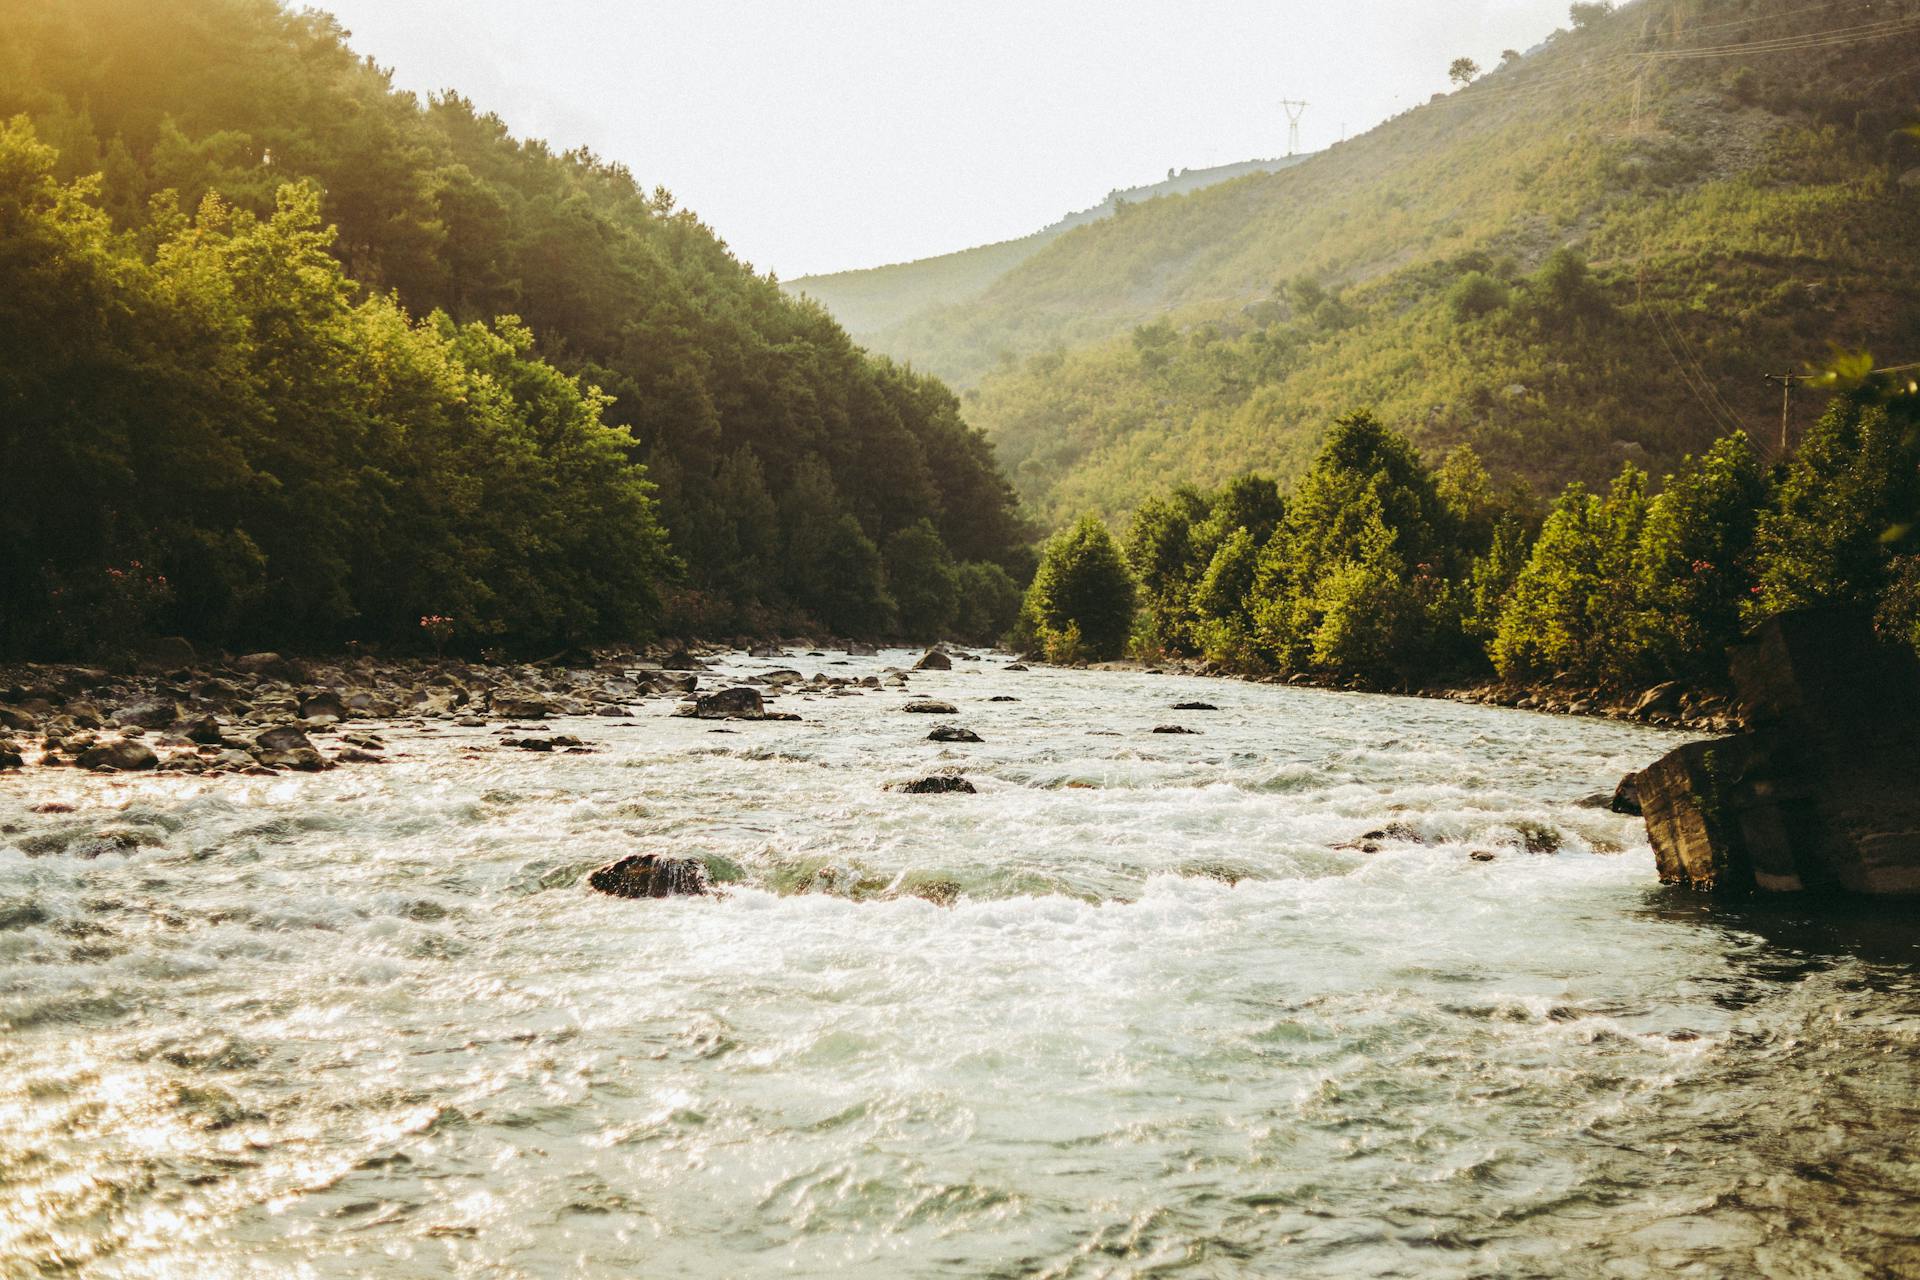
x: 952, y: 733
x: 737, y: 703
x: 1820, y: 794
x: 929, y: 707
x: 648, y: 875
x: 933, y: 660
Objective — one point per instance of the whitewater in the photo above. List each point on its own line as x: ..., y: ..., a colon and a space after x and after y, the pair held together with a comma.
x: 1240, y: 1002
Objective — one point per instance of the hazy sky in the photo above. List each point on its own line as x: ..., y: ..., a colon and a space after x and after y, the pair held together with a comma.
x: 841, y: 133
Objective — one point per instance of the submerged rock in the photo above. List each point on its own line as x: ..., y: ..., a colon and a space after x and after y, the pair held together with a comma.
x: 953, y: 733
x: 648, y: 875
x: 1015, y: 666
x: 1173, y: 728
x: 938, y: 784
x: 1194, y: 706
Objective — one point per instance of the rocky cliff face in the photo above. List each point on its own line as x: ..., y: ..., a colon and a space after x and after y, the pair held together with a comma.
x: 1823, y: 793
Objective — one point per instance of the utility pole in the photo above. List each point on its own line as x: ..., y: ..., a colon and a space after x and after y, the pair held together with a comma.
x: 1294, y: 110
x: 1786, y: 381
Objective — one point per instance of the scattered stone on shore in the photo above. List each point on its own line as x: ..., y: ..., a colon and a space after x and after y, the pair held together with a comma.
x: 206, y: 731
x: 147, y: 715
x: 933, y: 660
x: 324, y: 705
x: 649, y: 875
x: 938, y: 784
x: 930, y: 707
x: 124, y: 755
x: 521, y: 708
x: 1818, y: 795
x: 1173, y: 728
x: 1194, y: 706
x: 952, y: 733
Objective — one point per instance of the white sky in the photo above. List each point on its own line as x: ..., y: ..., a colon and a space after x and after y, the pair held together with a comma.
x: 829, y: 134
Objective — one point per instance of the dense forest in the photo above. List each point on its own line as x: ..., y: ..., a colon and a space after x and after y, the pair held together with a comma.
x: 1591, y: 254
x: 1379, y: 568
x: 288, y: 356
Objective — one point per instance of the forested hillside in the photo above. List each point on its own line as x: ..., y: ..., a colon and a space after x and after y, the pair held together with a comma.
x: 255, y: 385
x: 1592, y: 254
x: 875, y: 302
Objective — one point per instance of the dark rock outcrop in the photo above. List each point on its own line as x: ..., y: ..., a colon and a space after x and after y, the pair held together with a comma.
x: 1173, y: 728
x: 1819, y: 795
x: 1194, y: 706
x: 952, y: 733
x: 648, y: 875
x: 939, y: 784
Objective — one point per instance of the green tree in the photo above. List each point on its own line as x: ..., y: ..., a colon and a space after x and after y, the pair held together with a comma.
x: 1826, y: 539
x: 1695, y: 562
x: 851, y: 593
x: 923, y: 580
x: 1082, y: 597
x: 1462, y: 71
x: 989, y: 603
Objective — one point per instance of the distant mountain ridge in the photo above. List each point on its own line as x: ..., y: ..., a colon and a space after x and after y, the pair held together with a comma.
x: 1592, y: 253
x: 868, y: 301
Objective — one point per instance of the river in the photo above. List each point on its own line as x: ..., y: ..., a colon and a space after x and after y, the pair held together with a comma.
x: 370, y: 1022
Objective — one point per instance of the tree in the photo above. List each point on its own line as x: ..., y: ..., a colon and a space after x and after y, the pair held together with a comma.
x: 923, y: 580
x: 851, y: 593
x: 1508, y: 57
x: 1695, y: 563
x: 1462, y: 71
x: 1587, y: 14
x: 1478, y: 294
x: 1572, y: 610
x: 989, y: 603
x: 1160, y: 551
x: 1082, y: 597
x: 1855, y: 479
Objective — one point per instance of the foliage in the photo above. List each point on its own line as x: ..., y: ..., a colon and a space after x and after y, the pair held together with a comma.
x: 989, y: 603
x: 924, y: 581
x: 1463, y: 71
x: 1081, y: 601
x: 249, y: 315
x: 1379, y: 568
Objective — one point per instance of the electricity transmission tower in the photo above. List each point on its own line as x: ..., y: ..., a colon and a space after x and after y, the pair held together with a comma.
x: 1294, y: 111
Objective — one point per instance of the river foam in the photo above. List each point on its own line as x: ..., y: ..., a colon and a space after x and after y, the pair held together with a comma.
x: 1143, y: 1005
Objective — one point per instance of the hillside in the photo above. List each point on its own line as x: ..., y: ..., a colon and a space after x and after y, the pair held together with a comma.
x: 874, y: 301
x: 1592, y: 254
x: 342, y: 239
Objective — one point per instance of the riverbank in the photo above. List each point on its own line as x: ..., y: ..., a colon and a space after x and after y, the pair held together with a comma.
x: 1670, y: 705
x: 265, y: 712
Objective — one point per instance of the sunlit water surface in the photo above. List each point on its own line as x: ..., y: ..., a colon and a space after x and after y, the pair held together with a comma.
x: 371, y: 1023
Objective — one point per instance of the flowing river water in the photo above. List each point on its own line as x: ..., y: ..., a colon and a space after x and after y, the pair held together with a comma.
x: 370, y: 1022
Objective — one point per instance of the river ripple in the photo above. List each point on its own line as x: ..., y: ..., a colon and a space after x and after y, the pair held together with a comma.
x: 370, y: 1023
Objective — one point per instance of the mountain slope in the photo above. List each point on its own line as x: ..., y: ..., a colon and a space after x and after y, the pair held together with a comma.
x: 874, y: 301
x: 1756, y: 205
